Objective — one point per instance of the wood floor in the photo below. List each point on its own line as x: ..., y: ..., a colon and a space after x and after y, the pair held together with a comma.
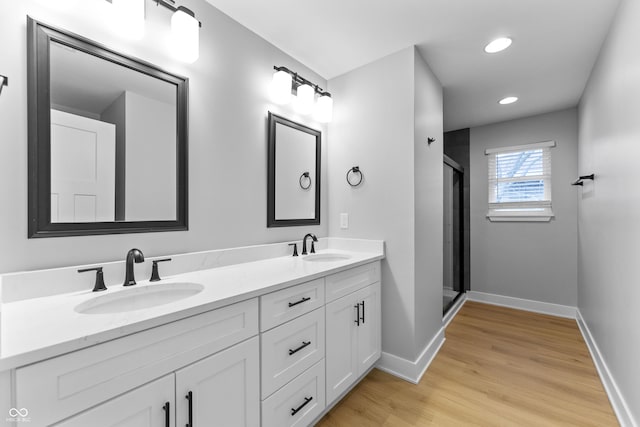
x: 497, y: 367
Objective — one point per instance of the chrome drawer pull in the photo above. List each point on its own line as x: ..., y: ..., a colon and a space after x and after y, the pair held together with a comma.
x: 296, y: 410
x: 304, y: 344
x: 292, y: 304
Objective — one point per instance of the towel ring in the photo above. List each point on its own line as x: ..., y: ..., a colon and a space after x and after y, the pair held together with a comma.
x: 305, y: 175
x: 354, y: 170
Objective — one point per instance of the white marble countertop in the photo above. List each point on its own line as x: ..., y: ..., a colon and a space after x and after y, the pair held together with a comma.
x: 35, y: 329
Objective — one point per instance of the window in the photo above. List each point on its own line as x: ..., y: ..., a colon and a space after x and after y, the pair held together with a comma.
x: 520, y: 182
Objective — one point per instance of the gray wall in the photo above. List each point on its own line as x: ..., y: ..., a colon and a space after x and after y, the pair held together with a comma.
x: 428, y: 203
x: 530, y: 260
x: 456, y: 146
x: 228, y: 104
x: 381, y: 121
x: 609, y: 208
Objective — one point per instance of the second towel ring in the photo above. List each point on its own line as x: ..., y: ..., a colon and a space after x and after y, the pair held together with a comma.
x: 354, y: 170
x: 305, y: 175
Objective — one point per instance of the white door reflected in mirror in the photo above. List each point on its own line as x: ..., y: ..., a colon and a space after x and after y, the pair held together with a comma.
x: 82, y: 169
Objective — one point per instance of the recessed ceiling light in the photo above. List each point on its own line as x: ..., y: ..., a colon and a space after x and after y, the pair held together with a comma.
x: 498, y: 45
x: 508, y: 100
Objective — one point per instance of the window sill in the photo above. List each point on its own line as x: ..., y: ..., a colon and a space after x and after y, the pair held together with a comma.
x: 544, y: 216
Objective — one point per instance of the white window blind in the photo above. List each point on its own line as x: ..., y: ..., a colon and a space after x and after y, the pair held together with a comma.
x: 520, y: 182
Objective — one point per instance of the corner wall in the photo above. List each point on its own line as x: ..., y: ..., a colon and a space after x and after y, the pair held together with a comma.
x: 228, y: 104
x: 609, y: 208
x: 529, y: 260
x: 384, y: 112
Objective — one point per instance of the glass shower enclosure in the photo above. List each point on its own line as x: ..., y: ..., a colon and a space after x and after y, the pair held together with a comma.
x: 453, y: 252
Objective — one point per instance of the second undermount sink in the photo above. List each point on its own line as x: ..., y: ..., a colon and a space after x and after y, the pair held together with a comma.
x: 327, y: 257
x: 138, y: 298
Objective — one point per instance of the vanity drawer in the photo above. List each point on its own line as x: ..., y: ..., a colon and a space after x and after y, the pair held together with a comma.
x: 345, y: 282
x: 278, y: 410
x: 65, y: 385
x: 282, y: 306
x: 291, y: 348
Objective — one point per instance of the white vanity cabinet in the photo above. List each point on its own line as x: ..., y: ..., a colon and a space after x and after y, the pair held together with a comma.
x: 278, y: 359
x: 353, y: 328
x: 222, y: 387
x: 317, y: 340
x: 59, y: 388
x: 221, y: 390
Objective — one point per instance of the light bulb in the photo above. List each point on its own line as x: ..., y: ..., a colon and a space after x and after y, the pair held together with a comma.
x: 508, y: 100
x: 185, y: 35
x: 498, y: 45
x: 324, y: 108
x: 281, y: 87
x: 128, y: 18
x: 304, y: 100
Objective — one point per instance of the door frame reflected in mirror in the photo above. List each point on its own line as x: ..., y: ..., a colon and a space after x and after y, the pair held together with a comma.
x: 272, y: 221
x: 39, y: 35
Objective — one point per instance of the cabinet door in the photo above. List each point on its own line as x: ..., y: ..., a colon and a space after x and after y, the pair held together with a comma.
x: 369, y: 330
x: 341, y: 346
x: 225, y: 388
x: 142, y: 407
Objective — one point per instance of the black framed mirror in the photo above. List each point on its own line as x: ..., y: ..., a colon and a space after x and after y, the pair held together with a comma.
x: 293, y: 193
x: 107, y: 139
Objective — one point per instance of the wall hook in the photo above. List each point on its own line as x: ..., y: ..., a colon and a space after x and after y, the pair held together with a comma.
x: 354, y: 170
x: 430, y: 140
x: 580, y: 180
x: 4, y: 81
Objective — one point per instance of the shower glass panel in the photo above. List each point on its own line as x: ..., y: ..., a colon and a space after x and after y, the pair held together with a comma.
x: 453, y: 285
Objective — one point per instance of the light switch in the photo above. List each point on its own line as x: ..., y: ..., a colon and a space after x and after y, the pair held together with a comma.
x: 344, y: 221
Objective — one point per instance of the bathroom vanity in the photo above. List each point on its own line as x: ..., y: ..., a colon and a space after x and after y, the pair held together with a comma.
x: 272, y: 342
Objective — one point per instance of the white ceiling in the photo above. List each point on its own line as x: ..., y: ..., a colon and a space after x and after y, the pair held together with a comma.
x: 555, y: 44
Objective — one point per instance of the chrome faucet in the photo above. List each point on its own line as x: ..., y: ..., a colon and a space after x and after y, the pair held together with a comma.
x: 304, y: 243
x: 134, y: 255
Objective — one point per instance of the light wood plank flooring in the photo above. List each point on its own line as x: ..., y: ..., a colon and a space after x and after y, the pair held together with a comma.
x: 497, y: 367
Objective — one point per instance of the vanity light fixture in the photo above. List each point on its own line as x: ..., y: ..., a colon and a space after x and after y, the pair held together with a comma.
x: 185, y: 28
x: 498, y: 45
x: 185, y: 34
x: 508, y: 100
x: 4, y: 81
x: 288, y: 85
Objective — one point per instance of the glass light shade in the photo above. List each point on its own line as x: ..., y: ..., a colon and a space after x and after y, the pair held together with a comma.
x: 304, y: 100
x: 128, y: 18
x: 281, y: 87
x: 185, y: 36
x: 324, y: 109
x: 498, y: 45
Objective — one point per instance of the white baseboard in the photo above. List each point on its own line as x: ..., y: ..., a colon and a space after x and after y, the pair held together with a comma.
x: 524, y: 304
x: 620, y: 407
x: 453, y: 310
x: 408, y: 370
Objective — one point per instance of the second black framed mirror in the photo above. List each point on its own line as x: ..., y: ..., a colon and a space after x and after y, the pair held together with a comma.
x: 293, y: 193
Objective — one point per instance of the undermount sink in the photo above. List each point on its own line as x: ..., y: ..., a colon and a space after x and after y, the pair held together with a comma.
x: 327, y: 257
x: 139, y: 298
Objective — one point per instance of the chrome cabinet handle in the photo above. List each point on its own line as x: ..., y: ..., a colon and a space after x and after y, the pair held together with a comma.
x: 304, y: 344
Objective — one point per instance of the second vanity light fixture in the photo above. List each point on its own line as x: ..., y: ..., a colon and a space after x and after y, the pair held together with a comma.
x: 185, y: 28
x: 288, y: 86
